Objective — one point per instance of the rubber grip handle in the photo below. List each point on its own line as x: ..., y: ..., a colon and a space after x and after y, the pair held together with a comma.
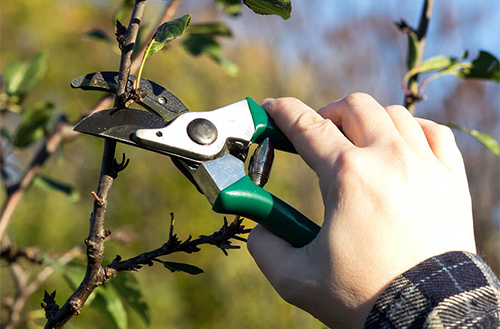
x: 246, y: 199
x: 266, y: 128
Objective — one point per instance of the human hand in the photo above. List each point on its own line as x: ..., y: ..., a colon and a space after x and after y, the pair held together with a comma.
x: 395, y: 193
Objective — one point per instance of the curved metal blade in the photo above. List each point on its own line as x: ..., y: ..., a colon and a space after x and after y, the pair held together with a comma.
x: 120, y: 124
x: 158, y: 99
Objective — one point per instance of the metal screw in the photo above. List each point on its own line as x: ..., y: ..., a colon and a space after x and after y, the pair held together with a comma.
x: 159, y: 133
x: 162, y: 100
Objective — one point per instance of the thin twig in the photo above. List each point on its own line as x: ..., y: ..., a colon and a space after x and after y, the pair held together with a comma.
x: 61, y: 132
x: 221, y: 239
x: 24, y: 289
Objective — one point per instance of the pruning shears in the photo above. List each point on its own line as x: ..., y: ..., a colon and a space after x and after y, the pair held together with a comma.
x: 209, y: 148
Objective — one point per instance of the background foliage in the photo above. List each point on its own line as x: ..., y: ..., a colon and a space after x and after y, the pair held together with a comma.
x: 315, y: 56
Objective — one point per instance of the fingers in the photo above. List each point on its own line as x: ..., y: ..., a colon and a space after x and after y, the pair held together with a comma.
x: 442, y: 143
x: 317, y: 140
x: 361, y: 118
x: 319, y: 136
x: 408, y: 127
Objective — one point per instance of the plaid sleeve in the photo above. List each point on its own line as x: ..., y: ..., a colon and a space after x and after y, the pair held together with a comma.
x: 452, y: 290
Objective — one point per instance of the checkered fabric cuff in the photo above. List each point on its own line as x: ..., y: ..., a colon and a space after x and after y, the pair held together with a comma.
x: 452, y: 290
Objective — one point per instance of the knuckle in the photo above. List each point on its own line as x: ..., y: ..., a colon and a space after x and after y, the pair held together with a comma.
x: 285, y: 102
x: 445, y: 132
x: 440, y: 132
x: 358, y: 98
x: 397, y: 109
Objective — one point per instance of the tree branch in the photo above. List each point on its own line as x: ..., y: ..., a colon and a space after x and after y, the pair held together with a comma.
x: 413, y: 97
x: 94, y: 275
x: 25, y: 290
x: 221, y: 239
x: 62, y: 131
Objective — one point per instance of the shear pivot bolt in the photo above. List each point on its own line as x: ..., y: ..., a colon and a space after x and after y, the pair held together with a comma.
x: 202, y: 131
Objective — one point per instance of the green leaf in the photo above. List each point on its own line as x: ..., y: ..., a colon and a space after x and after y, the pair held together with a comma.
x: 198, y: 44
x: 167, y: 32
x: 432, y: 64
x: 230, y: 7
x: 14, y: 74
x: 282, y: 8
x: 21, y: 77
x: 34, y: 72
x: 109, y: 304
x: 485, y: 66
x: 181, y: 267
x: 489, y: 142
x: 99, y: 34
x: 50, y: 184
x: 129, y: 289
x: 33, y: 125
x: 213, y: 29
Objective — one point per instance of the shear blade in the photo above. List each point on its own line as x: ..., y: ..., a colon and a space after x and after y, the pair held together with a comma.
x: 158, y: 100
x: 119, y: 124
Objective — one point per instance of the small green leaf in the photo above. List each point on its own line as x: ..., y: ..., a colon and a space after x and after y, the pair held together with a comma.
x: 485, y: 66
x: 109, y: 304
x: 432, y: 64
x: 50, y: 184
x: 98, y: 34
x: 489, y: 142
x: 181, y: 267
x: 282, y: 8
x: 214, y: 29
x: 198, y: 44
x: 34, y: 72
x: 230, y: 7
x: 167, y: 32
x: 130, y: 291
x: 14, y: 74
x: 33, y: 125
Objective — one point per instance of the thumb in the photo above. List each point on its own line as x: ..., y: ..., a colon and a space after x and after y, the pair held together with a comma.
x: 288, y: 269
x: 273, y: 255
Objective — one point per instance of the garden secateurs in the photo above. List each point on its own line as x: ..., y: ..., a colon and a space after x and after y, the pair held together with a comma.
x: 209, y: 148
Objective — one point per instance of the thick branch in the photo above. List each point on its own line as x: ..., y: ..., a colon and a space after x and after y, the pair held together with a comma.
x: 94, y: 275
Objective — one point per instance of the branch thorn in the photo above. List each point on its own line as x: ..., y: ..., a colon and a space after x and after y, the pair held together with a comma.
x: 100, y: 202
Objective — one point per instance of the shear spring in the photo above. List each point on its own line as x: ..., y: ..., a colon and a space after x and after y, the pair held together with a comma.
x: 261, y: 163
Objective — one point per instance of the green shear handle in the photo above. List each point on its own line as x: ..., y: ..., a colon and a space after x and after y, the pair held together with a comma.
x: 246, y: 199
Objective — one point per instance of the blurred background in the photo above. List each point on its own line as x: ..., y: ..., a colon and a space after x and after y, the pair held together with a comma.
x: 326, y: 50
